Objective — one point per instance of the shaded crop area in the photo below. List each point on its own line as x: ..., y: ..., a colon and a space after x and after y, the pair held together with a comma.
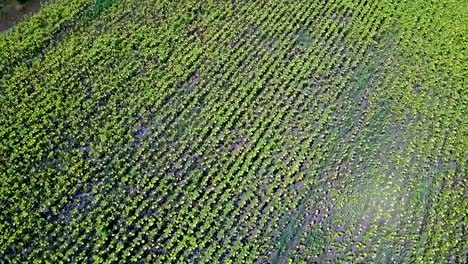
x: 235, y: 132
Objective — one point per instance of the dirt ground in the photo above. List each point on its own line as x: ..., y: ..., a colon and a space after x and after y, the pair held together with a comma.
x: 11, y: 13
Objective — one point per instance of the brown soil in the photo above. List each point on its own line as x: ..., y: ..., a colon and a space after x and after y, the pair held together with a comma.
x: 11, y: 13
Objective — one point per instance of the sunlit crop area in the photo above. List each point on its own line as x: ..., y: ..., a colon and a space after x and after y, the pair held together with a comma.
x: 156, y: 131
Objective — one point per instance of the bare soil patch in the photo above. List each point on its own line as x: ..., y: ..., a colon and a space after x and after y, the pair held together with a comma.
x: 11, y: 12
